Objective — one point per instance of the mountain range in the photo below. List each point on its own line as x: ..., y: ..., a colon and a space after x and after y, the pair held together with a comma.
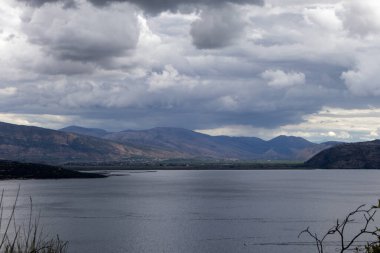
x: 78, y: 144
x: 35, y: 144
x: 183, y: 143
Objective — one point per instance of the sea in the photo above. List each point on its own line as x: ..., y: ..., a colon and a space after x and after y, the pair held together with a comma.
x: 195, y: 211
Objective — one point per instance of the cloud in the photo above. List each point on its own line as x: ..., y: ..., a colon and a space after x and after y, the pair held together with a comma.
x: 169, y: 78
x: 167, y: 97
x: 38, y: 3
x: 166, y: 81
x: 325, y: 125
x: 362, y: 23
x: 8, y: 91
x: 361, y: 18
x: 217, y: 28
x: 154, y: 7
x: 281, y: 79
x: 267, y: 67
x: 363, y: 79
x: 42, y: 120
x: 83, y: 34
x: 325, y: 17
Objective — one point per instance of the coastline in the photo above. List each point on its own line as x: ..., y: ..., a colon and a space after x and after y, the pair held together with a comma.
x: 16, y: 170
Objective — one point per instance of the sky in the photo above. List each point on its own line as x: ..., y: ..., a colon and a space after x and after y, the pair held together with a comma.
x: 262, y: 68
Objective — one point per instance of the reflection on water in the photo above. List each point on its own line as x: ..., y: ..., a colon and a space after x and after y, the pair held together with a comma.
x: 195, y: 211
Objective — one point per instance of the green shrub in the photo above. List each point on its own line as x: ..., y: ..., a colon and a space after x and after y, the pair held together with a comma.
x: 374, y: 248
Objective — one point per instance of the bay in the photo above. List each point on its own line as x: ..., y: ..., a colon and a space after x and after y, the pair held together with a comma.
x: 194, y: 211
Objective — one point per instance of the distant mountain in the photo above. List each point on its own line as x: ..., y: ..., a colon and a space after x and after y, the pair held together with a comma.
x: 290, y: 142
x: 173, y: 139
x: 79, y: 144
x: 362, y: 155
x: 192, y: 144
x: 94, y: 132
x: 289, y: 145
x: 35, y: 144
x: 332, y: 143
x: 186, y: 143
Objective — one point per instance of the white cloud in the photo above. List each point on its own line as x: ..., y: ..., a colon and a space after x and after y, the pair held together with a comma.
x: 375, y: 133
x: 328, y: 124
x: 342, y: 135
x: 324, y: 16
x: 170, y: 78
x: 362, y: 17
x: 331, y: 134
x: 8, y: 91
x: 42, y: 120
x: 281, y: 79
x: 363, y: 80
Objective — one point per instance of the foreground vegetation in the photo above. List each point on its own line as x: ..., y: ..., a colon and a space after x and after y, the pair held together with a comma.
x: 360, y: 220
x: 25, y: 238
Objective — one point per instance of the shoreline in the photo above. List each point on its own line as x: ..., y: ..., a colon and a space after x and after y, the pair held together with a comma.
x: 11, y: 170
x: 140, y: 167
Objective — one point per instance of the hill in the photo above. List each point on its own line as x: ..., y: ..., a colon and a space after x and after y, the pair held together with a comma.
x: 94, y: 132
x: 78, y: 144
x: 16, y: 170
x: 35, y: 144
x: 183, y: 143
x: 362, y: 155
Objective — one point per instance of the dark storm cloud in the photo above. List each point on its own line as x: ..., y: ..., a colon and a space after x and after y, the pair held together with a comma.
x: 217, y: 28
x: 197, y: 107
x: 154, y: 6
x: 85, y: 34
x: 192, y: 119
x: 98, y: 36
x: 108, y: 65
x: 37, y: 3
x: 84, y: 51
x: 157, y: 6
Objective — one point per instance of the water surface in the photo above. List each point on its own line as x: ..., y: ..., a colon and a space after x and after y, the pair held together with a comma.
x: 195, y: 211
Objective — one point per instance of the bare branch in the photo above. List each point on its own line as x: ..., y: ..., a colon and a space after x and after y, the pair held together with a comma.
x: 367, y: 217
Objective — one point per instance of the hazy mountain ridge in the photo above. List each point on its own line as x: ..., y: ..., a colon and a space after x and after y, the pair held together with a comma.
x: 361, y: 155
x: 94, y: 132
x: 35, y: 144
x: 78, y: 144
x: 186, y: 143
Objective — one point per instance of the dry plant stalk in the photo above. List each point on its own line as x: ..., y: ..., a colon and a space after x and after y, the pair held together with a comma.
x: 27, y: 238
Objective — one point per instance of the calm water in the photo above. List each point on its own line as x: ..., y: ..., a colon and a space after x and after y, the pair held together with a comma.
x: 195, y: 211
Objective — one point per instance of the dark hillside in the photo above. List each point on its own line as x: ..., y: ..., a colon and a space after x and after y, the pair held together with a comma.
x: 16, y: 170
x: 35, y: 144
x: 361, y: 155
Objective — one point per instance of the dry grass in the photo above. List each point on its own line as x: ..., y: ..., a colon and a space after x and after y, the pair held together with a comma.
x: 25, y: 238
